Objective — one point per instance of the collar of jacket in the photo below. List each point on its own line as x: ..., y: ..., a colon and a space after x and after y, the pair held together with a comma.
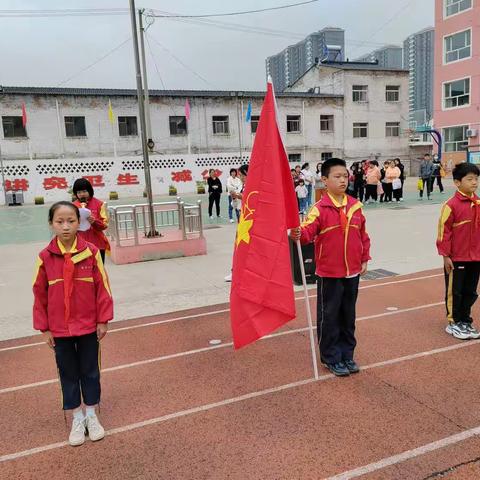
x: 327, y: 201
x: 81, y: 246
x: 465, y: 198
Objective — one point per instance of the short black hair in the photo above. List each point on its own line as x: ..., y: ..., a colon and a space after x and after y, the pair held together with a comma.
x: 63, y: 203
x: 82, y: 184
x: 243, y: 169
x: 305, y: 165
x: 427, y: 155
x: 463, y: 169
x: 233, y: 170
x: 332, y: 162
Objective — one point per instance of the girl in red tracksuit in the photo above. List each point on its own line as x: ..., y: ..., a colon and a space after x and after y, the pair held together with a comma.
x: 342, y: 250
x: 72, y: 305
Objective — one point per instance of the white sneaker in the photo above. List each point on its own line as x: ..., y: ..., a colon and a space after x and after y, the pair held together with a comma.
x: 95, y: 430
x: 228, y: 278
x: 77, y: 434
x: 231, y: 220
x: 211, y: 218
x: 448, y: 329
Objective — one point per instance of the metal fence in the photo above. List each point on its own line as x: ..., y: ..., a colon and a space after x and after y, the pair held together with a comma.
x: 132, y: 222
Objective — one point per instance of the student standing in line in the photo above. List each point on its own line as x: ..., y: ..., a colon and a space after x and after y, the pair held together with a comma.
x: 309, y: 180
x: 302, y: 193
x: 401, y: 166
x: 387, y: 182
x: 214, y: 193
x: 72, y: 307
x: 373, y: 179
x: 392, y: 176
x: 234, y: 185
x: 319, y: 185
x: 337, y: 219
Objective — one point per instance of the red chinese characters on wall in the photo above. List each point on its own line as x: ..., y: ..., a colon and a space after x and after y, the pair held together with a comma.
x: 205, y: 173
x: 17, y: 184
x: 55, y: 182
x: 95, y: 180
x: 127, y: 179
x: 182, y: 176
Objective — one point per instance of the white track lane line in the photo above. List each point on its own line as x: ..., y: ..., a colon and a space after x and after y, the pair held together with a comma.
x: 214, y: 312
x: 208, y: 349
x: 248, y: 396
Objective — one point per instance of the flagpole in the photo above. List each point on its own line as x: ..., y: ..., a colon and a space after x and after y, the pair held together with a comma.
x: 309, y: 310
x: 112, y: 121
x: 3, y: 175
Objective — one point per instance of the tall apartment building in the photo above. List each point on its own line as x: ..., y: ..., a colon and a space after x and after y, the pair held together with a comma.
x: 457, y: 77
x: 389, y: 56
x: 418, y: 57
x: 289, y: 65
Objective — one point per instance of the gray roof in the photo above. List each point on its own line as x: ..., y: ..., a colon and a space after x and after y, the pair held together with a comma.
x: 110, y: 92
x: 360, y: 66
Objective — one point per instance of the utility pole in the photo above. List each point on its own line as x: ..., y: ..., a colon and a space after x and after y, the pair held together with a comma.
x: 143, y: 126
x: 3, y: 175
x: 144, y: 73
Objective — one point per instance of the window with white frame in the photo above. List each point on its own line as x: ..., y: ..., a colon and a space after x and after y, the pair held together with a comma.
x: 392, y: 93
x: 254, y: 119
x: 458, y: 46
x: 452, y: 7
x: 457, y: 93
x: 360, y: 130
x: 220, y: 125
x: 295, y: 157
x: 392, y: 129
x: 455, y: 138
x: 294, y: 123
x: 326, y: 123
x: 75, y: 127
x: 360, y: 93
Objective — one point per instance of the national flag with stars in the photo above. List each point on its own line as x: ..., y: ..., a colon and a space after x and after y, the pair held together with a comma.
x: 262, y: 296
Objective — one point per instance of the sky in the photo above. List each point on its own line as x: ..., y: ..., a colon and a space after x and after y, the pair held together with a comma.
x: 187, y: 55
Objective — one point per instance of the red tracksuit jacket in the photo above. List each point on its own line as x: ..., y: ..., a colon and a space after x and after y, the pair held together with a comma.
x: 459, y: 229
x: 95, y: 234
x: 70, y: 300
x: 341, y: 241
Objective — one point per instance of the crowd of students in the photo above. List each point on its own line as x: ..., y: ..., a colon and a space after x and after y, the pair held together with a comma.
x: 309, y: 186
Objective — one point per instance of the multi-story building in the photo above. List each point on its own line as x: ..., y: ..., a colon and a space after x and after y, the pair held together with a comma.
x: 457, y: 76
x: 418, y: 57
x: 389, y: 56
x: 290, y: 64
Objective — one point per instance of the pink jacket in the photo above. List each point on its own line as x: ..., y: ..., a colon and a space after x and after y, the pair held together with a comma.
x: 391, y: 174
x: 373, y: 176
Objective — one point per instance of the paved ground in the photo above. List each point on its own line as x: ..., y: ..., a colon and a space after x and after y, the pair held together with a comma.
x: 403, y: 238
x: 176, y: 407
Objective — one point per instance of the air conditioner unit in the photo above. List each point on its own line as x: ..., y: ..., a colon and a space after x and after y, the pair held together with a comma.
x: 471, y: 133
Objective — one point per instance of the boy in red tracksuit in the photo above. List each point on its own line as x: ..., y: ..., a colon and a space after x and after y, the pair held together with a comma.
x: 97, y: 219
x: 458, y: 243
x: 342, y: 250
x: 72, y: 305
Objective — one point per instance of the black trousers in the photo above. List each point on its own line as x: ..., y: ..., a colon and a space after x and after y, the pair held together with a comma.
x: 428, y: 183
x: 461, y: 291
x: 102, y: 254
x: 439, y: 182
x: 397, y: 194
x: 358, y: 191
x: 371, y: 192
x: 336, y: 303
x: 213, y: 198
x: 78, y: 363
x: 388, y: 190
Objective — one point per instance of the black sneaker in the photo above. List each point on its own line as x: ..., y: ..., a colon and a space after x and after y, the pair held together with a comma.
x: 352, y: 366
x: 339, y: 369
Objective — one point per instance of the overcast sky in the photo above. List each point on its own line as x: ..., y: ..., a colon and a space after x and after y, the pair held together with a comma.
x: 48, y: 51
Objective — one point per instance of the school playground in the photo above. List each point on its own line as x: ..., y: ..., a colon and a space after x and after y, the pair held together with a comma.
x: 179, y: 405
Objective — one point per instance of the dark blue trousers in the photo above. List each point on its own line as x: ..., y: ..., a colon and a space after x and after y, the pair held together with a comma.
x: 336, y: 301
x: 78, y: 363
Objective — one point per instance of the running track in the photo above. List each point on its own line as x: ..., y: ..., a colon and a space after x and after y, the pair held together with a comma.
x: 175, y: 407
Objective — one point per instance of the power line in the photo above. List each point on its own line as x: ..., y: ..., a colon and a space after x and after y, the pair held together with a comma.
x: 247, y: 12
x: 80, y: 12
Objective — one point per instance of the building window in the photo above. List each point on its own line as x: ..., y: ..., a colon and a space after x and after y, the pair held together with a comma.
x: 455, y: 138
x: 392, y: 93
x: 326, y: 123
x: 360, y: 93
x: 75, y: 127
x: 452, y: 7
x: 326, y: 156
x: 254, y: 119
x: 294, y: 123
x: 127, y: 126
x: 392, y: 129
x: 13, y: 127
x: 458, y: 46
x: 178, y: 125
x: 295, y: 157
x: 457, y: 94
x: 220, y: 125
x: 360, y: 130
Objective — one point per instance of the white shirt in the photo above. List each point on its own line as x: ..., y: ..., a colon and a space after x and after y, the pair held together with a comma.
x: 307, y: 176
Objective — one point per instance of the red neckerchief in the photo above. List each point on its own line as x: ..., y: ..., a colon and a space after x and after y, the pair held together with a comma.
x: 68, y: 271
x: 475, y: 205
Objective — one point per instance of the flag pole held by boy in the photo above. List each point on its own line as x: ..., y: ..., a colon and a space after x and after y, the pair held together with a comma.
x: 262, y: 297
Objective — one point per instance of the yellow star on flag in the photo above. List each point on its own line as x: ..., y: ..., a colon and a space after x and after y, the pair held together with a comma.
x: 243, y: 230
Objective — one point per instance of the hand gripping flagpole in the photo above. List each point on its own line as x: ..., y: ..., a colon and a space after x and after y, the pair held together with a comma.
x: 309, y: 310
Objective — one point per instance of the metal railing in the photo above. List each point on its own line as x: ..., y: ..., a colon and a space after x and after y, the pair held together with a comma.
x: 131, y: 222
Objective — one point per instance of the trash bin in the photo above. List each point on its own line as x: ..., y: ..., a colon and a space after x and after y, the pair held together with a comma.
x: 14, y: 197
x: 308, y: 252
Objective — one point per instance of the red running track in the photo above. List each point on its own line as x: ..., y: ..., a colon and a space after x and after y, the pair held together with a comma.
x: 175, y: 407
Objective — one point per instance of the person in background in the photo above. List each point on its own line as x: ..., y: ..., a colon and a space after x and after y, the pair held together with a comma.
x: 298, y: 174
x: 438, y: 174
x: 97, y: 219
x: 373, y: 179
x: 426, y: 175
x: 309, y: 180
x: 214, y: 192
x: 358, y: 181
x: 319, y: 185
x: 392, y: 176
x: 383, y: 182
x: 302, y: 192
x: 401, y: 166
x: 234, y: 184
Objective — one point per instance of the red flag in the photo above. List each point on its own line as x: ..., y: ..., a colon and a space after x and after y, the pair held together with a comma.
x: 187, y: 110
x: 262, y: 297
x: 24, y: 115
